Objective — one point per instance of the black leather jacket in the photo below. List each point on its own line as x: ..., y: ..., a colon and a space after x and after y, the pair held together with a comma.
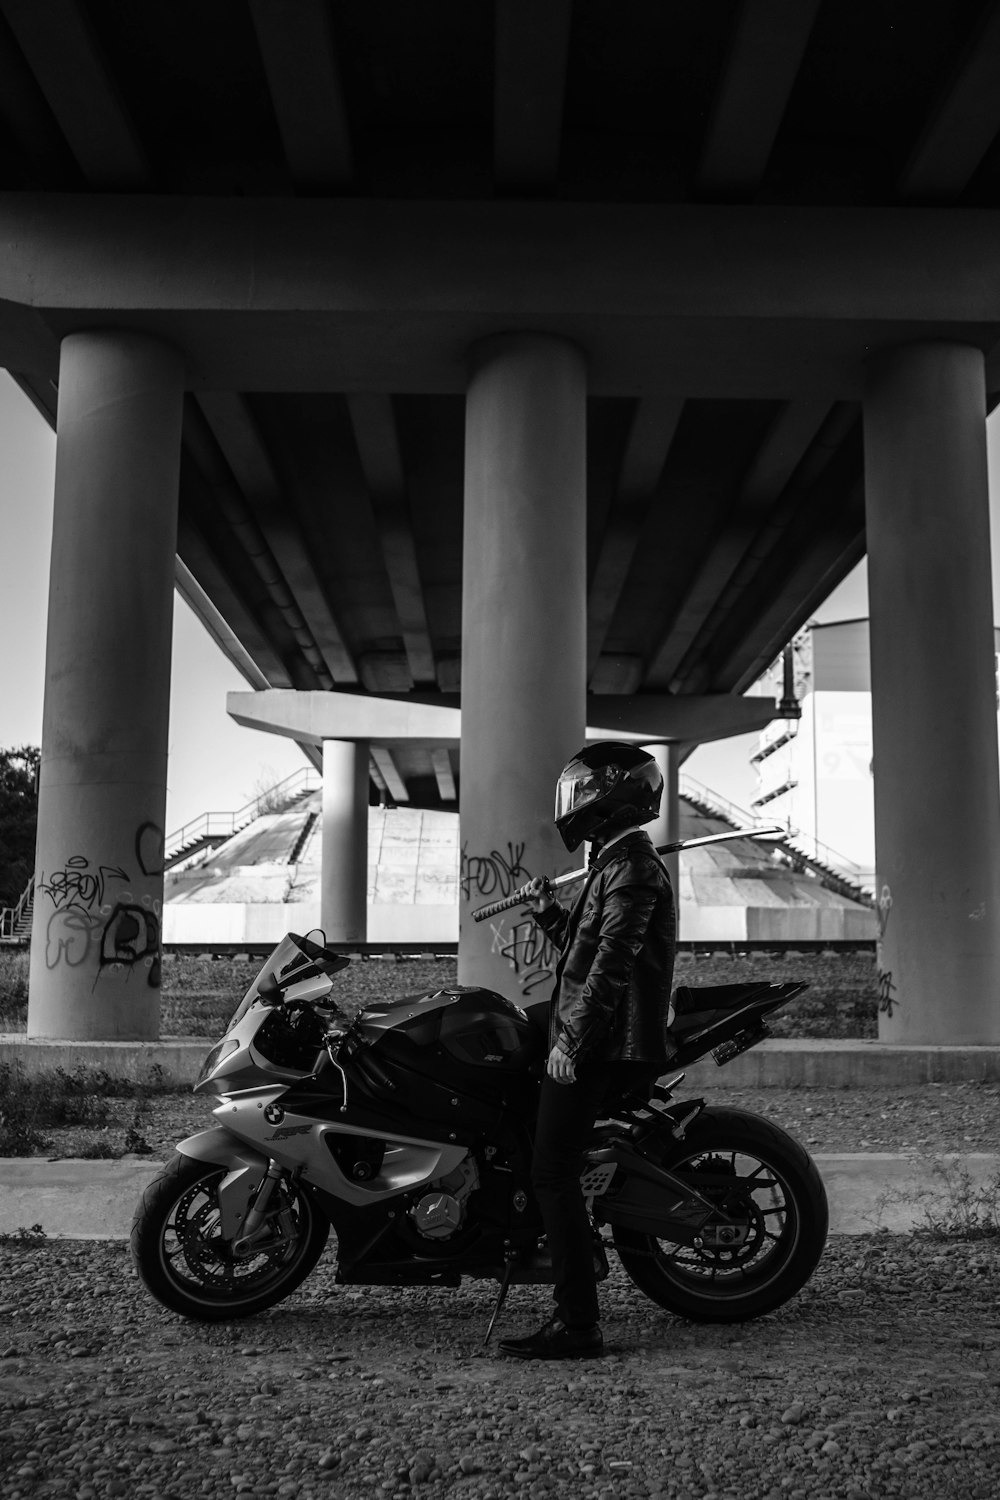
x: 616, y: 963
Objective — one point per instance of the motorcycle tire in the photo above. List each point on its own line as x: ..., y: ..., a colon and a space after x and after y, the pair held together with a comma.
x: 180, y: 1255
x: 769, y: 1184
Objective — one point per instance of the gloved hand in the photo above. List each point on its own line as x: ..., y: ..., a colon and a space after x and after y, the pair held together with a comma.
x: 538, y: 894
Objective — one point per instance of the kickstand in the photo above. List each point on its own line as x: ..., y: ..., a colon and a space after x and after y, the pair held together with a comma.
x: 501, y: 1296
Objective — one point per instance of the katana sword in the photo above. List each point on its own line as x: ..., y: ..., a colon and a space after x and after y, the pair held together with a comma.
x: 520, y: 896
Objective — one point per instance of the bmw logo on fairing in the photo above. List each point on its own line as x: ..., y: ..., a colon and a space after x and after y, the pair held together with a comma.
x: 274, y: 1114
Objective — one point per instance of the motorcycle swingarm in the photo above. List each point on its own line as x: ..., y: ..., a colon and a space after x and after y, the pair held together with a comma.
x: 629, y: 1191
x: 246, y: 1171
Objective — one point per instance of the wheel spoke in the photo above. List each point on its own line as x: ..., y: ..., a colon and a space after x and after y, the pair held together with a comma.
x: 759, y: 1181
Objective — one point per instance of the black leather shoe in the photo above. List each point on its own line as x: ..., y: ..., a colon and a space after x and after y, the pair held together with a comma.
x: 555, y: 1341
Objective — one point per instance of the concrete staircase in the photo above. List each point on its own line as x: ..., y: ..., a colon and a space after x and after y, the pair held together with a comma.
x: 15, y: 921
x: 213, y: 828
x: 803, y: 853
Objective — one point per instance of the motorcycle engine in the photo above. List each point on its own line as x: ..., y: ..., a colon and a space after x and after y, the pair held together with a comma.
x: 441, y: 1210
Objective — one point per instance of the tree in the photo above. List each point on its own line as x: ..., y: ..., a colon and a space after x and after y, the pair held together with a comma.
x: 18, y: 819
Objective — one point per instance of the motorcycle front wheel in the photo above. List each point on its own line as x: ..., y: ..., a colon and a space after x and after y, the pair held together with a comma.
x: 182, y: 1258
x: 771, y: 1230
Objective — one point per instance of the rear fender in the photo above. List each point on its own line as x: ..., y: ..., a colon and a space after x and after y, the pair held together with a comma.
x: 247, y: 1170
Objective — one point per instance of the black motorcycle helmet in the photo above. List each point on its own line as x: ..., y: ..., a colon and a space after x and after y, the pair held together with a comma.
x: 605, y: 787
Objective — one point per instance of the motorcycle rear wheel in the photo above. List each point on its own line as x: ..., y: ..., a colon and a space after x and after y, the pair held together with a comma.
x: 180, y: 1254
x: 777, y: 1195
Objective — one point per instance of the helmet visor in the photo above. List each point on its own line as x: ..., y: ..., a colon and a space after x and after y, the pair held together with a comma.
x: 579, y: 786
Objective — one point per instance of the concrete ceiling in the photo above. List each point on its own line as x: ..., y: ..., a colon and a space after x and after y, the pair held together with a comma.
x: 728, y: 205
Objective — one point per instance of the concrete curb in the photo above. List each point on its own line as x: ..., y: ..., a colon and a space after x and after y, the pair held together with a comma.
x: 774, y: 1064
x: 178, y: 1057
x: 95, y: 1200
x: 812, y: 1063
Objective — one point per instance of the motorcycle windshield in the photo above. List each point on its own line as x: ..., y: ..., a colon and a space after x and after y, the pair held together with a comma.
x: 294, y: 959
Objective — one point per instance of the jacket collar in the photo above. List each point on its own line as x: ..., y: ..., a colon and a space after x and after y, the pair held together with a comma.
x: 637, y: 838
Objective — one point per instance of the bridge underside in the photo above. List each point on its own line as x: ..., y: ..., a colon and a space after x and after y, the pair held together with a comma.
x: 541, y: 355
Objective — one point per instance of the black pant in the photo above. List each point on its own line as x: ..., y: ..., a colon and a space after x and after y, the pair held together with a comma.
x: 566, y: 1116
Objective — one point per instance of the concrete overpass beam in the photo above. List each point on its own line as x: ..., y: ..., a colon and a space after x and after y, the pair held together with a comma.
x: 95, y: 948
x: 937, y: 806
x: 344, y: 888
x: 523, y: 634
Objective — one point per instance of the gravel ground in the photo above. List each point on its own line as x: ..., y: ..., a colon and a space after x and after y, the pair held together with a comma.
x: 881, y: 1378
x: 925, y: 1118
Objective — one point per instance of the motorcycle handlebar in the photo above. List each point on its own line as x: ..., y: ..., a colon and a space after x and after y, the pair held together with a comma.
x: 519, y: 896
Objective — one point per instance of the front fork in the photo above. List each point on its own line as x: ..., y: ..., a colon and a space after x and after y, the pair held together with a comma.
x: 253, y: 1231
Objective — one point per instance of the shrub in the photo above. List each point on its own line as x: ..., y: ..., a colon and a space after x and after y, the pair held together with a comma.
x: 30, y: 1104
x: 952, y: 1204
x: 13, y: 990
x: 24, y: 1239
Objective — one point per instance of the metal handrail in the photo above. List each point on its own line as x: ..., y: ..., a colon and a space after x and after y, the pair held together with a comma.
x: 222, y: 825
x: 739, y: 816
x: 815, y: 850
x: 823, y: 854
x: 10, y: 916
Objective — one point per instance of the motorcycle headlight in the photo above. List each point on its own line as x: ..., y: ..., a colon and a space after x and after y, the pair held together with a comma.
x: 225, y: 1048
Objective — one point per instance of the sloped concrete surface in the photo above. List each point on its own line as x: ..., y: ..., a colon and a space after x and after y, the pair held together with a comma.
x: 95, y: 1200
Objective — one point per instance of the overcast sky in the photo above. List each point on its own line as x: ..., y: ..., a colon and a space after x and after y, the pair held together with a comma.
x: 214, y: 765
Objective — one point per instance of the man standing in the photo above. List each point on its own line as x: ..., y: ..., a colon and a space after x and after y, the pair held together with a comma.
x: 608, y: 1015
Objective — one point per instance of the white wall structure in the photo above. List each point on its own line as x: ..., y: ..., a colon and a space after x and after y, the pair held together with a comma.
x: 249, y: 889
x: 815, y: 773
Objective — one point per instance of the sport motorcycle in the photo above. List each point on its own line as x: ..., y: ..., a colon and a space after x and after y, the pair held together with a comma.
x: 408, y: 1133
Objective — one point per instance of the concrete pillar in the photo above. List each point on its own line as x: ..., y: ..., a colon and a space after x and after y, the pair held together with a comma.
x: 523, y: 640
x: 344, y: 892
x: 667, y: 828
x: 937, y: 806
x: 95, y: 947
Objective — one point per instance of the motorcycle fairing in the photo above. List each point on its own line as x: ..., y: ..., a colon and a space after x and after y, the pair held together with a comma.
x: 445, y: 1106
x: 409, y: 1161
x: 247, y: 1170
x: 476, y: 1028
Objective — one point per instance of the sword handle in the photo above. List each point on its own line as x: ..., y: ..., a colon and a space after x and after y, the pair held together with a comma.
x: 482, y: 912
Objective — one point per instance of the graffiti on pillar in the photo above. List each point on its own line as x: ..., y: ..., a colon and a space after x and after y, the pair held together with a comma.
x: 123, y: 932
x: 131, y: 936
x: 69, y: 936
x: 77, y: 893
x: 520, y: 941
x: 527, y: 949
x: 887, y: 997
x: 495, y: 874
x: 76, y: 886
x: 149, y: 848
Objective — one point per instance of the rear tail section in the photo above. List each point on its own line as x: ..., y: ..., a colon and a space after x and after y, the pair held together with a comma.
x: 724, y: 1020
